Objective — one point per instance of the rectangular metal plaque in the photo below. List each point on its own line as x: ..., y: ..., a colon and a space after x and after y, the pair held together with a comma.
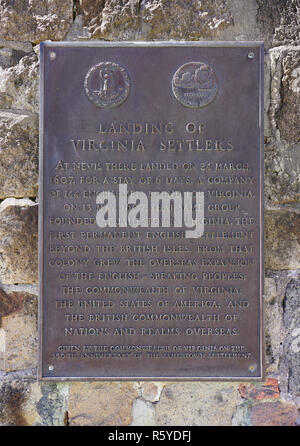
x: 151, y: 240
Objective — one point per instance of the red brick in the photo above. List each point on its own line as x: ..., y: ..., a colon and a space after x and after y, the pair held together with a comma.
x: 260, y: 391
x: 273, y: 414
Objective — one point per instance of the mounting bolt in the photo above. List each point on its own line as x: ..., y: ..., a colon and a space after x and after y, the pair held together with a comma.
x: 252, y: 368
x: 51, y: 367
x: 52, y: 55
x: 251, y: 55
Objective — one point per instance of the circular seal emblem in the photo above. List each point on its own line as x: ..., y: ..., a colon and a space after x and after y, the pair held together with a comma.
x: 107, y: 84
x: 195, y: 84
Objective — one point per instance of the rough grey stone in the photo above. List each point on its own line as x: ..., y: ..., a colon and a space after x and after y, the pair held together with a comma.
x: 52, y: 406
x: 282, y: 240
x: 78, y: 31
x: 158, y: 19
x: 279, y: 21
x: 24, y: 47
x: 19, y: 82
x: 285, y: 92
x: 267, y: 99
x: 18, y: 154
x: 244, y: 22
x: 274, y: 21
x: 9, y: 57
x: 36, y: 20
x: 282, y: 174
x: 143, y: 413
x: 282, y: 149
x: 273, y: 325
x: 242, y: 415
x: 288, y: 114
x: 18, y: 242
x: 292, y: 341
x: 284, y: 112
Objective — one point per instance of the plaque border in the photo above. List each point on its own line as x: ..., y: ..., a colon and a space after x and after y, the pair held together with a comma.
x: 141, y: 44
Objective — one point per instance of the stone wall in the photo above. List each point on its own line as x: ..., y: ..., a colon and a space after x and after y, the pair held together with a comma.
x: 24, y: 400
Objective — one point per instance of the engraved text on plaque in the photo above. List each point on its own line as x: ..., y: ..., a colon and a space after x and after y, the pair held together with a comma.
x: 138, y: 279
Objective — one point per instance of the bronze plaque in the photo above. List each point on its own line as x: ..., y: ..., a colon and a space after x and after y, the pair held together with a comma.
x: 151, y: 221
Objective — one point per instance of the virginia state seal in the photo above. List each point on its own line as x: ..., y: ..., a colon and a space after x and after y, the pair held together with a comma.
x: 107, y: 84
x: 195, y: 84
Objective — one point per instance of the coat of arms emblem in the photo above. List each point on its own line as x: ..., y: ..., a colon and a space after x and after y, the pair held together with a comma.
x: 195, y: 84
x: 107, y: 84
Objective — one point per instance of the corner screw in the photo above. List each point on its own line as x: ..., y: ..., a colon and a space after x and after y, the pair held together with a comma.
x: 52, y: 55
x: 252, y: 368
x: 51, y: 367
x: 251, y: 55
